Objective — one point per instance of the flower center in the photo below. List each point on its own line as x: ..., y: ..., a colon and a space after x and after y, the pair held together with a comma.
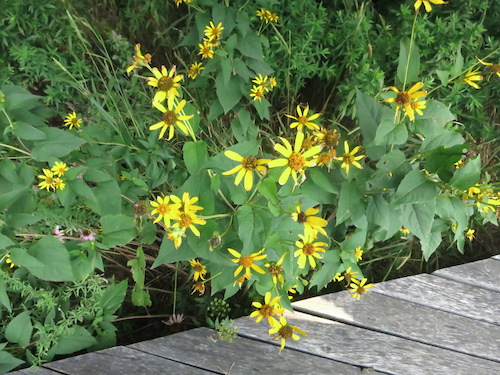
x: 199, y: 268
x: 361, y: 290
x: 332, y: 139
x: 301, y: 217
x: 246, y: 261
x: 296, y: 161
x: 163, y: 209
x: 250, y: 163
x: 308, y: 249
x: 74, y: 120
x: 185, y: 221
x: 266, y: 311
x: 286, y: 332
x: 275, y: 270
x: 169, y: 118
x: 348, y: 159
x: 49, y: 180
x: 302, y: 120
x: 495, y: 68
x: 165, y: 83
x: 403, y: 98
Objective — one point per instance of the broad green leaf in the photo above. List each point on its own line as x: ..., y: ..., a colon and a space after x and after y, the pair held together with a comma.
x: 75, y: 339
x: 380, y: 213
x: 468, y: 175
x: 19, y: 329
x: 415, y: 188
x: 246, y: 225
x: 8, y: 362
x: 390, y: 133
x: 147, y: 235
x: 262, y: 107
x: 350, y: 202
x: 21, y: 219
x: 324, y: 275
x: 458, y: 66
x: 169, y: 254
x: 227, y: 70
x: 229, y: 95
x: 324, y: 180
x: 267, y: 188
x: 250, y: 45
x: 82, y: 189
x: 408, y: 62
x: 418, y: 218
x: 117, y: 230
x: 442, y: 159
x: 198, y: 185
x: 241, y: 69
x: 5, y: 241
x: 434, y: 118
x: 443, y: 76
x: 58, y: 143
x: 140, y: 296
x: 113, y: 297
x: 26, y: 131
x: 195, y: 155
x: 108, y: 198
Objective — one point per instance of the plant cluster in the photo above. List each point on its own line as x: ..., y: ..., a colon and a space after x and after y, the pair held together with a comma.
x: 187, y: 167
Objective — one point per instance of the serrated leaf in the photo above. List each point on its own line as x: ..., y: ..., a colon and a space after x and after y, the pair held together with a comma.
x: 415, y: 188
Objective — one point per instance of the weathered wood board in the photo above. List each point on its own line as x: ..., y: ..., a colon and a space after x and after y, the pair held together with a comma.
x: 408, y: 320
x: 35, y: 371
x: 121, y: 360
x: 446, y: 295
x: 242, y: 356
x: 369, y: 349
x: 484, y: 273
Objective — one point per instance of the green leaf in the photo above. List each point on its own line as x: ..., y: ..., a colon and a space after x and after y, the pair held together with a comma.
x: 250, y: 46
x: 4, y: 298
x: 227, y: 69
x: 147, y: 235
x: 390, y: 133
x: 19, y: 329
x: 195, y: 155
x: 8, y: 362
x: 408, y: 58
x: 443, y: 76
x: 107, y: 194
x: 77, y: 338
x: 82, y: 189
x: 113, y: 297
x: 380, y: 213
x: 229, y: 95
x: 415, y: 188
x: 324, y: 180
x: 26, y: 131
x: 245, y: 217
x: 241, y: 69
x: 169, y: 254
x: 267, y: 188
x: 58, y: 143
x: 350, y: 202
x: 323, y: 276
x: 418, y: 218
x: 262, y: 107
x: 442, y: 159
x: 458, y: 66
x: 117, y: 230
x: 468, y: 175
x: 140, y: 296
x: 5, y: 241
x: 434, y: 118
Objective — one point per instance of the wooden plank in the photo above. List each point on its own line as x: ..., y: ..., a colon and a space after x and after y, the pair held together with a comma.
x: 34, y: 371
x: 199, y: 347
x: 408, y: 320
x: 446, y: 295
x: 497, y: 257
x: 483, y: 273
x: 369, y: 349
x: 121, y: 360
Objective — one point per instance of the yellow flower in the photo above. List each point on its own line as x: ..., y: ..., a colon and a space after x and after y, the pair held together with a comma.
x: 9, y: 261
x: 403, y: 99
x: 257, y: 93
x: 261, y: 82
x: 266, y: 15
x: 427, y: 4
x: 171, y: 117
x: 71, y: 120
x: 47, y: 180
x: 199, y: 287
x: 328, y: 138
x: 308, y: 250
x: 247, y: 262
x: 472, y: 76
x: 166, y: 82
x: 187, y: 220
x: 272, y: 82
x: 139, y: 59
x: 176, y: 235
x: 312, y: 224
x: 358, y: 253
x: 59, y: 168
x: 179, y: 2
x: 206, y: 51
x: 417, y: 106
x: 285, y: 332
x: 349, y: 275
x: 246, y: 168
x: 295, y: 161
x: 358, y: 288
x: 404, y: 230
x: 199, y: 270
x: 195, y: 70
x: 241, y: 280
x: 349, y: 159
x: 338, y: 277
x: 470, y: 234
x: 59, y: 184
x: 273, y: 17
x: 302, y: 120
x: 275, y: 269
x: 459, y: 164
x: 269, y: 310
x: 213, y: 31
x: 495, y: 68
x: 187, y: 203
x: 166, y: 211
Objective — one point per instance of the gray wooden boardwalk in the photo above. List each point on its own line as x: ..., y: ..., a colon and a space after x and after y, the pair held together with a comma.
x: 444, y: 323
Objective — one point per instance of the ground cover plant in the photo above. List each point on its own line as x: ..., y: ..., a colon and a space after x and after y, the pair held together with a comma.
x: 225, y: 163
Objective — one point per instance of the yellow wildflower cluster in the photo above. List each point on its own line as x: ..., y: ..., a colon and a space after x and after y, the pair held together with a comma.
x: 267, y: 16
x: 485, y: 198
x: 71, y: 120
x: 51, y: 178
x: 357, y: 287
x: 213, y: 36
x: 263, y: 84
x: 183, y: 211
x: 471, y: 77
x: 199, y: 276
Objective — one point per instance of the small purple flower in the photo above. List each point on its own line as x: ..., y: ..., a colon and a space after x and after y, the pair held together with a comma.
x: 59, y: 233
x: 174, y: 319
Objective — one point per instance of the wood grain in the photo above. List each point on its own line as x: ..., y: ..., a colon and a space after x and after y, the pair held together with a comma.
x: 484, y: 274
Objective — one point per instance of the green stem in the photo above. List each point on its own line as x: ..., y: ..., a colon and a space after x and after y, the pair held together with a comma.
x: 175, y: 286
x: 412, y: 39
x: 15, y: 149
